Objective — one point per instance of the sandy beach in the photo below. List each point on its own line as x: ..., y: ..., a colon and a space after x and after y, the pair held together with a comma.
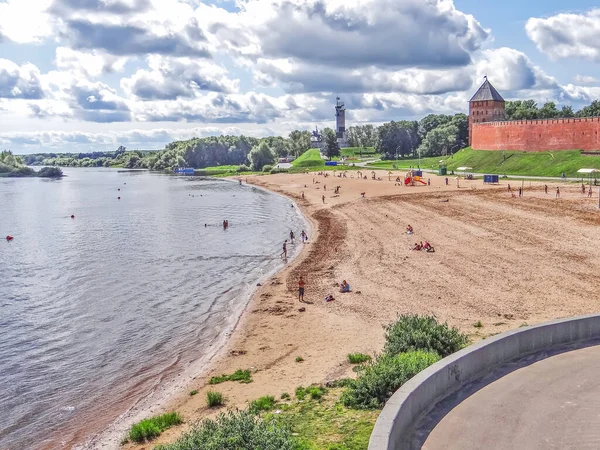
x: 502, y: 260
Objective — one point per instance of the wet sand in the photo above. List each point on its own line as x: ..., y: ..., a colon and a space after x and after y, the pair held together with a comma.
x: 500, y: 260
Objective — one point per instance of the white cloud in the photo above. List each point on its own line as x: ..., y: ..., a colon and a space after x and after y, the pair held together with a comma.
x: 585, y: 79
x: 567, y: 35
x: 172, y: 78
x: 25, y: 21
x: 19, y: 82
x: 90, y: 64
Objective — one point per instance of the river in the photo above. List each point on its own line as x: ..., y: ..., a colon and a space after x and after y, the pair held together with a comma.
x: 98, y: 310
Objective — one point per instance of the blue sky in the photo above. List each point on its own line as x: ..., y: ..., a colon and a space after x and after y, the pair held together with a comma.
x: 82, y: 75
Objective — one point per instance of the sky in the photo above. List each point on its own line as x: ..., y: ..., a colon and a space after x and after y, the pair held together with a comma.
x: 91, y: 75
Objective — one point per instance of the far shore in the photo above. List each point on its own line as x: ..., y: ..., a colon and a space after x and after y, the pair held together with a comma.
x: 500, y: 260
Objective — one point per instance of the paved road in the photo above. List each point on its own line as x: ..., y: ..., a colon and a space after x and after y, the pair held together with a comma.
x: 551, y: 404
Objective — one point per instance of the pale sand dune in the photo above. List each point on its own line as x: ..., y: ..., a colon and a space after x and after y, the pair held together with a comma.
x: 501, y: 260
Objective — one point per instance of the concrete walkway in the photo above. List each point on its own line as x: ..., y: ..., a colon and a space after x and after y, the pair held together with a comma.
x: 551, y: 404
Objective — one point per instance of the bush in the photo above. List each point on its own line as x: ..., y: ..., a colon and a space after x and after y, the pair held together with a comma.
x: 235, y: 430
x: 22, y: 171
x: 383, y: 376
x: 243, y: 376
x: 214, y: 399
x: 50, y: 172
x: 194, y: 392
x: 413, y: 332
x: 148, y: 429
x: 299, y: 359
x: 243, y: 168
x: 267, y: 168
x: 300, y: 393
x: 265, y: 403
x: 278, y: 170
x: 316, y: 392
x: 285, y: 396
x: 358, y: 358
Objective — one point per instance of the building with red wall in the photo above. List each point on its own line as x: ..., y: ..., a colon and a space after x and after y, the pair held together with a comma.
x: 489, y: 131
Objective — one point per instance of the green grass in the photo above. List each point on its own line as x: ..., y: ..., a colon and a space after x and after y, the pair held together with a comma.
x: 148, y: 429
x: 299, y: 359
x: 478, y: 324
x: 194, y: 392
x: 358, y: 358
x: 548, y: 164
x: 309, y: 159
x: 328, y: 425
x: 243, y: 376
x: 266, y: 403
x: 214, y: 399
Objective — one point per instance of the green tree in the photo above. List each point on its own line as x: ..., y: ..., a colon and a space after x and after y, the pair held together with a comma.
x: 567, y: 111
x: 299, y: 142
x: 439, y: 140
x: 332, y: 148
x: 397, y: 139
x: 590, y: 111
x: 260, y: 156
x: 548, y: 111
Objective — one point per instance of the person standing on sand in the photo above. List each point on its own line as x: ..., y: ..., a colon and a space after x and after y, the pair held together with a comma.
x: 301, y: 289
x: 284, y: 252
x: 557, y: 192
x: 303, y: 236
x: 590, y: 192
x: 292, y: 236
x: 323, y: 198
x: 546, y: 189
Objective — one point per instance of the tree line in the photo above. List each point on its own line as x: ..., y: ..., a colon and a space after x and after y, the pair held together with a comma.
x: 529, y: 110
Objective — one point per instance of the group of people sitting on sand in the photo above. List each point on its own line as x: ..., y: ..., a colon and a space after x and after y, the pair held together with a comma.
x: 426, y: 246
x: 419, y: 245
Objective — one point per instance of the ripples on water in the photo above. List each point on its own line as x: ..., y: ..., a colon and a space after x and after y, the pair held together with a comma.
x: 95, y: 310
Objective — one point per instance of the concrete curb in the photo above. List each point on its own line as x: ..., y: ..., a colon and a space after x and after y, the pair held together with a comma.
x: 421, y: 393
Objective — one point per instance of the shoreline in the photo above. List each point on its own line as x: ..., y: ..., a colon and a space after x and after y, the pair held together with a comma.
x: 165, y: 391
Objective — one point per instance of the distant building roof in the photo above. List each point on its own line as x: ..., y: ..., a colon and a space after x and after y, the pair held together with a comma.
x: 487, y: 92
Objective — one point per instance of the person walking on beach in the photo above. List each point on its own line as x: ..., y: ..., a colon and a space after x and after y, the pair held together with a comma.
x: 323, y: 198
x: 557, y: 192
x: 284, y: 252
x: 303, y: 236
x: 292, y: 236
x: 546, y: 189
x: 301, y: 289
x: 590, y: 192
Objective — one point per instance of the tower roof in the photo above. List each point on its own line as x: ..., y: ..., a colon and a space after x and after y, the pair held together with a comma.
x: 487, y: 92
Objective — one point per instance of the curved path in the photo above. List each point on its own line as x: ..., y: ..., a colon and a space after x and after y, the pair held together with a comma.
x: 551, y: 404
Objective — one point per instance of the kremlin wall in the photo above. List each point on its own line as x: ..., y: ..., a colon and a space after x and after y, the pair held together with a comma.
x: 488, y: 130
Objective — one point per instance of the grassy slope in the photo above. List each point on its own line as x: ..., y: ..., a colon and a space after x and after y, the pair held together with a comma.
x: 516, y: 163
x: 326, y: 424
x: 310, y: 158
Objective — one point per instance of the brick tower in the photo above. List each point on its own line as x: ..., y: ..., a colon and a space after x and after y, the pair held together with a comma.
x: 487, y: 105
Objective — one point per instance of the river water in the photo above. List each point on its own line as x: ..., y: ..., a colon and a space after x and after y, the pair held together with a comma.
x: 97, y: 310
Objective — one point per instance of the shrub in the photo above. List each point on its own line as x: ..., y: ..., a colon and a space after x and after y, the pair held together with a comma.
x: 285, y: 396
x: 22, y: 171
x: 235, y: 430
x: 278, y: 170
x: 50, y: 172
x: 342, y: 382
x: 214, y: 399
x: 478, y: 324
x: 383, y: 376
x: 243, y: 168
x: 267, y: 168
x: 265, y: 403
x: 151, y: 428
x: 413, y: 332
x: 316, y: 392
x: 299, y: 359
x: 194, y: 392
x: 243, y: 376
x: 358, y: 358
x: 300, y: 393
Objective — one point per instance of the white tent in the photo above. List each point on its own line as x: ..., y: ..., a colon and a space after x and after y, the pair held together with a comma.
x: 588, y: 171
x: 464, y: 169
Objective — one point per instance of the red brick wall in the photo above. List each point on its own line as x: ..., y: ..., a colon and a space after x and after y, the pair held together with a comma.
x: 537, y: 135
